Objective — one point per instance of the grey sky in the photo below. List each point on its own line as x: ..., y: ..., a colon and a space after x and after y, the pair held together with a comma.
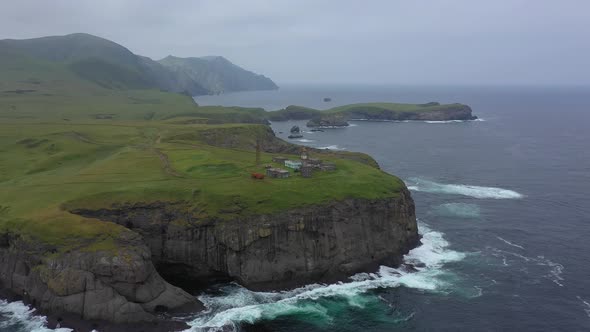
x: 388, y: 41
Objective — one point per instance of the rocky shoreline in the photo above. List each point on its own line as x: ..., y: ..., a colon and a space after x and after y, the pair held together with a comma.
x: 320, y: 243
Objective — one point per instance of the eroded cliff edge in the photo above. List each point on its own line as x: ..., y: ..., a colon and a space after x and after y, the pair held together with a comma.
x: 119, y: 286
x: 319, y: 243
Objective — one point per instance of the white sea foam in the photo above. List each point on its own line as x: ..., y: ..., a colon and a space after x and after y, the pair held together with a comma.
x: 586, y: 305
x: 447, y: 121
x: 17, y: 316
x: 417, y: 184
x: 331, y: 147
x: 304, y: 140
x: 509, y: 243
x: 419, y: 121
x: 552, y: 270
x: 422, y: 270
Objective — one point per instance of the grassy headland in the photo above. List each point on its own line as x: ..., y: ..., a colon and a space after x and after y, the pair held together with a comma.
x: 68, y: 142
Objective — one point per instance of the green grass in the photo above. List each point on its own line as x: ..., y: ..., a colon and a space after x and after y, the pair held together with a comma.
x: 387, y: 110
x: 394, y: 107
x: 72, y: 143
x: 50, y: 168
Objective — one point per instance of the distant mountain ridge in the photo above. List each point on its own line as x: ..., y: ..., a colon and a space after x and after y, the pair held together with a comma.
x: 217, y: 74
x: 111, y: 65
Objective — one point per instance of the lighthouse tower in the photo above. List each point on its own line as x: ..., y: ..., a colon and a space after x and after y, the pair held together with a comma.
x: 304, y: 156
x: 306, y: 168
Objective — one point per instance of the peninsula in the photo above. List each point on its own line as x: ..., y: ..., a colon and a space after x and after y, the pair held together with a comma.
x: 118, y: 198
x: 339, y: 116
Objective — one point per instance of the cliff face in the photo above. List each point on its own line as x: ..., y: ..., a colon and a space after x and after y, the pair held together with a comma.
x: 310, y: 244
x: 120, y: 287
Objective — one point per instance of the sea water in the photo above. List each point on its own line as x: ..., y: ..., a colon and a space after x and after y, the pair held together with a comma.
x: 503, y: 212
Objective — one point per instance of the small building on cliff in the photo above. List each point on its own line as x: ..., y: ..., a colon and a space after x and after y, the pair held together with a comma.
x: 279, y: 159
x: 313, y: 162
x: 294, y: 164
x: 277, y: 173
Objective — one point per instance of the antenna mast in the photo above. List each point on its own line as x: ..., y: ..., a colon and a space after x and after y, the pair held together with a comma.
x: 257, y: 150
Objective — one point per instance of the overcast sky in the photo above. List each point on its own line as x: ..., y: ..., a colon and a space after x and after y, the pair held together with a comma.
x: 339, y: 41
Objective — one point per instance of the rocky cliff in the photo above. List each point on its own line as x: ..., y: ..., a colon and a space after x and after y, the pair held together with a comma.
x: 120, y: 287
x: 316, y: 243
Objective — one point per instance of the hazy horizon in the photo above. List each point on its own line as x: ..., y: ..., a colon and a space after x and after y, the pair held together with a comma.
x: 458, y: 42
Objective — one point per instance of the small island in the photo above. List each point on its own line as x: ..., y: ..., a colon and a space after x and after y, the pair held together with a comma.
x: 339, y: 116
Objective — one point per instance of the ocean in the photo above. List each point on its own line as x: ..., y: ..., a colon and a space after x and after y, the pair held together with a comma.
x: 502, y: 208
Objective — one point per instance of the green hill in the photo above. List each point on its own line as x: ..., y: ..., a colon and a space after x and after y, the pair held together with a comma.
x: 70, y: 143
x: 82, y: 125
x: 114, y: 66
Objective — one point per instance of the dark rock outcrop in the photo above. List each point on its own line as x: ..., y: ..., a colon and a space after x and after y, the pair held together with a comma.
x: 119, y: 285
x: 329, y: 121
x: 311, y: 244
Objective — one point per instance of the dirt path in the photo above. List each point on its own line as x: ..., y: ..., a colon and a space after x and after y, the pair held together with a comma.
x: 164, y: 158
x: 166, y: 163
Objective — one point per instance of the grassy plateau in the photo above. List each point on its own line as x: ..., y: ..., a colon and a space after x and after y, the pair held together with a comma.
x: 67, y: 142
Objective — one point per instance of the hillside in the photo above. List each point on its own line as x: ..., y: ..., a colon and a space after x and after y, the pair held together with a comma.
x: 113, y: 66
x: 218, y: 75
x: 112, y: 193
x: 43, y: 90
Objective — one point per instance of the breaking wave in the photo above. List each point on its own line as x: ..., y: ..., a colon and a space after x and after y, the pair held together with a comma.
x: 417, y: 184
x: 510, y: 243
x: 304, y: 140
x: 320, y: 304
x: 548, y: 269
x: 586, y: 305
x: 17, y: 316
